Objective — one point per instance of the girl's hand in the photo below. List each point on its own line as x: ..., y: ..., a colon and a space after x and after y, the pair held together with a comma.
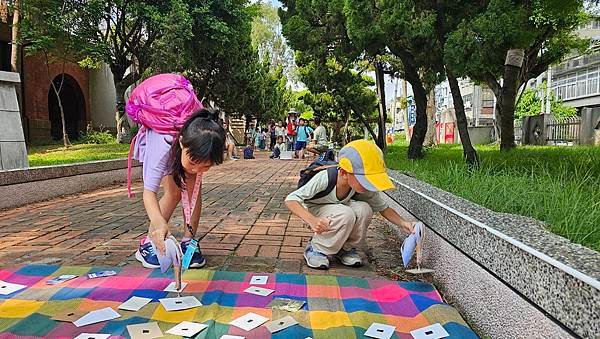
x: 158, y: 234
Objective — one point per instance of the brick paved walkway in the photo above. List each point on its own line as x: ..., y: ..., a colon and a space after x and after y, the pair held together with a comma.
x: 244, y: 226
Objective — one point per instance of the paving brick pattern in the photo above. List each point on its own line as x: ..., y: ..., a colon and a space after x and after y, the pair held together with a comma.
x: 244, y: 225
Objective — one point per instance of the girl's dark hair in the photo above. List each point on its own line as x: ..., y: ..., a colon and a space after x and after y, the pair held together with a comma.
x: 203, y: 136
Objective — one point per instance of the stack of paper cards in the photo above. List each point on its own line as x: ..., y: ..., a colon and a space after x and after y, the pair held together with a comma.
x: 380, y: 331
x: 92, y: 336
x: 134, y: 304
x: 259, y: 280
x: 7, y: 288
x: 258, y: 291
x: 187, y: 329
x: 171, y: 287
x: 101, y: 274
x: 281, y: 324
x: 290, y: 305
x: 180, y: 303
x: 61, y: 279
x: 249, y: 322
x: 435, y: 331
x: 144, y: 331
x: 97, y: 316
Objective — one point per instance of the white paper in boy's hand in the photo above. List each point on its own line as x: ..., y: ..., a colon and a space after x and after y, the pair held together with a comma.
x: 249, y: 321
x: 92, y: 336
x: 259, y: 280
x: 171, y: 287
x: 7, y: 288
x: 97, y: 316
x: 263, y: 292
x: 380, y: 331
x: 435, y: 331
x: 187, y: 329
x: 134, y: 304
x: 61, y: 279
x: 180, y: 303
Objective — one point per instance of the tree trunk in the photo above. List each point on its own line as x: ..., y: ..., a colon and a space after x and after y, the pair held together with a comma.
x: 14, y: 50
x: 461, y: 121
x: 346, y: 127
x: 514, y: 61
x: 367, y: 126
x: 405, y: 109
x: 120, y: 116
x: 380, y: 82
x: 415, y: 148
x: 430, y: 134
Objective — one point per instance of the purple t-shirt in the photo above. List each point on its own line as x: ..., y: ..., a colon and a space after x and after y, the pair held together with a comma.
x: 153, y: 150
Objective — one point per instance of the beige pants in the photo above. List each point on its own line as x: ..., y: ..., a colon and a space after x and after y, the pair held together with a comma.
x: 348, y: 227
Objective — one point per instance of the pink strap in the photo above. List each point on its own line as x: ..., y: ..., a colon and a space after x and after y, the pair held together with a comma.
x: 129, y: 161
x: 185, y: 200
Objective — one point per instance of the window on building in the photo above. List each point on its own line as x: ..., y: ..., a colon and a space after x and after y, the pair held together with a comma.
x: 4, y: 56
x: 487, y: 98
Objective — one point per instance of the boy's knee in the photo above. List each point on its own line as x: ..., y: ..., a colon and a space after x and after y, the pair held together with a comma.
x: 362, y: 210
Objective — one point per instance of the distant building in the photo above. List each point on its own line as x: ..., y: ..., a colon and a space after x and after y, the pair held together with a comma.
x: 478, y: 100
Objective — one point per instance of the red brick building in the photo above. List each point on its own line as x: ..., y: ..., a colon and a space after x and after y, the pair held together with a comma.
x: 39, y: 105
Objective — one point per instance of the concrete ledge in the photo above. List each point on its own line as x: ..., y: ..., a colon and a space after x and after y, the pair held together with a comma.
x: 493, y: 265
x: 22, y: 187
x: 18, y: 176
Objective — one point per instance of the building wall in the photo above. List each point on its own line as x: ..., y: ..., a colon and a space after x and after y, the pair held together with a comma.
x: 103, y: 98
x: 37, y: 85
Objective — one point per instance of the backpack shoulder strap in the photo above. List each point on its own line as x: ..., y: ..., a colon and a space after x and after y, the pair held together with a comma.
x: 332, y: 173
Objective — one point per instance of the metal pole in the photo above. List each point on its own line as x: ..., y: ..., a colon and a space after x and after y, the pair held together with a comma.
x: 548, y: 89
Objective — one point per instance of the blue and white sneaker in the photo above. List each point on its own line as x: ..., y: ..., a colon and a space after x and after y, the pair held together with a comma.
x: 349, y: 258
x: 198, y: 260
x: 315, y: 259
x: 146, y: 254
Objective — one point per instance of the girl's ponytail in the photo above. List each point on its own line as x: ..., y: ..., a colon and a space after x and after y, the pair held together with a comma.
x: 204, y: 137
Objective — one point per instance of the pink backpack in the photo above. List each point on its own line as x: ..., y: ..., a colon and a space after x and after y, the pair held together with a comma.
x: 161, y: 103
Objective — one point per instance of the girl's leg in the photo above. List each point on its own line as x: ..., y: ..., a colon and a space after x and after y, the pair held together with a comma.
x: 168, y: 202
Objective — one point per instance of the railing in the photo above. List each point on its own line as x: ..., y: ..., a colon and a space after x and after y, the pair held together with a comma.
x: 564, y: 131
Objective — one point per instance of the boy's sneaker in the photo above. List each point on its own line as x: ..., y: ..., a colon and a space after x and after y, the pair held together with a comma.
x: 198, y: 260
x: 315, y: 259
x: 146, y: 254
x: 349, y: 258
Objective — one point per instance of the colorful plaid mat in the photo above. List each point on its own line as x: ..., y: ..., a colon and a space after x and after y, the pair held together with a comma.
x: 336, y: 307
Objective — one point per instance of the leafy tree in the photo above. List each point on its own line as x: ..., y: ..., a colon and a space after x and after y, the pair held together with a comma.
x: 538, y: 33
x: 531, y: 104
x: 61, y: 31
x: 268, y: 40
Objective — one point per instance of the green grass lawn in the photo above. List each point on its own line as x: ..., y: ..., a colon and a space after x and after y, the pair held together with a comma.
x: 57, y: 154
x: 558, y: 185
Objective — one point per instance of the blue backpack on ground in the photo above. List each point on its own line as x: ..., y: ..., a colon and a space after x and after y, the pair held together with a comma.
x: 248, y: 153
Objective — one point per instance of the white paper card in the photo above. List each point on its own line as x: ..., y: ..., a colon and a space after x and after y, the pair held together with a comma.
x: 180, y: 303
x: 435, y: 331
x: 249, y: 322
x: 97, y: 316
x: 7, y: 288
x: 171, y: 287
x: 281, y: 324
x: 259, y: 291
x: 92, y: 336
x: 134, y: 304
x: 380, y: 331
x: 227, y: 336
x: 144, y: 331
x: 187, y: 329
x: 259, y: 280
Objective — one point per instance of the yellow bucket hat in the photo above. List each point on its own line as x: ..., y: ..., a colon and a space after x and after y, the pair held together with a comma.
x: 365, y: 160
